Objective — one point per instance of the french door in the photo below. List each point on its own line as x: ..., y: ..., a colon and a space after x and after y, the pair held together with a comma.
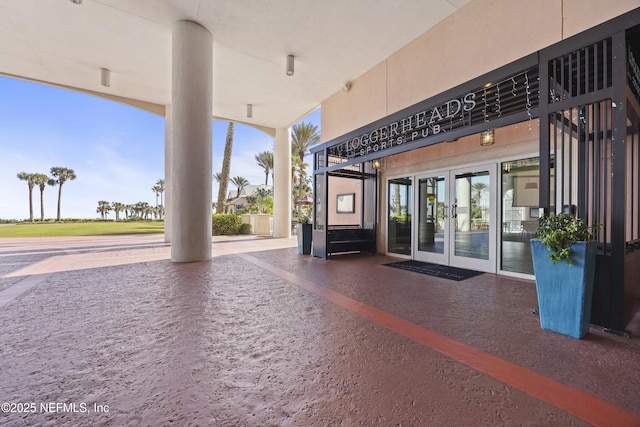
x: 456, y: 211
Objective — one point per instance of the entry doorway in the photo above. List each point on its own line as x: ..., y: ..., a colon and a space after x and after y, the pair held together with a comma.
x: 399, y: 214
x: 456, y: 217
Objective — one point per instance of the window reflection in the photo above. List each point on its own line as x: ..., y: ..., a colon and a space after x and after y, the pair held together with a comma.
x: 520, y: 197
x: 399, y: 216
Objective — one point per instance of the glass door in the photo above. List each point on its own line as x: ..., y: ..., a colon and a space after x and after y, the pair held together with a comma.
x: 456, y: 214
x: 473, y: 216
x: 432, y: 226
x: 399, y: 215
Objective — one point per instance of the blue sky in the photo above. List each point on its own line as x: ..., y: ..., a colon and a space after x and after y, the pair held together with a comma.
x: 116, y: 151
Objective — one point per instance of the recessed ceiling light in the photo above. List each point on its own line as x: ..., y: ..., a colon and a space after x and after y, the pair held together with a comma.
x: 76, y: 1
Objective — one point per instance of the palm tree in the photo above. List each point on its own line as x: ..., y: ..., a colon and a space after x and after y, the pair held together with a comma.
x: 240, y: 183
x: 299, y: 182
x: 134, y: 209
x: 142, y: 210
x: 479, y: 188
x: 42, y: 181
x: 146, y: 210
x: 60, y: 176
x: 137, y: 210
x: 265, y: 161
x: 30, y: 178
x: 476, y: 207
x: 103, y: 208
x: 156, y: 210
x: 117, y: 208
x: 303, y: 136
x: 226, y: 168
x: 161, y: 187
x: 156, y: 190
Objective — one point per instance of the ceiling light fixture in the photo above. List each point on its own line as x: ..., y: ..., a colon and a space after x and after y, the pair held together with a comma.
x: 105, y: 77
x: 290, y: 65
x: 76, y: 1
x: 249, y: 111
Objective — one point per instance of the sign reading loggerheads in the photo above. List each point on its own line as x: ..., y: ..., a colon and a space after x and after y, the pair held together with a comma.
x: 416, y: 126
x: 516, y: 93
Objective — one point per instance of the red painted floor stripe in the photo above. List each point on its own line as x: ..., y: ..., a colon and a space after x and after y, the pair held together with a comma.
x: 578, y: 403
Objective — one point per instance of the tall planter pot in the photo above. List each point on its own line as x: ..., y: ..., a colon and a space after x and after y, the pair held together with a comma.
x: 565, y: 291
x: 304, y: 234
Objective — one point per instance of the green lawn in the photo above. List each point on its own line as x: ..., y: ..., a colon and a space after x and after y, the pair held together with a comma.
x: 81, y: 229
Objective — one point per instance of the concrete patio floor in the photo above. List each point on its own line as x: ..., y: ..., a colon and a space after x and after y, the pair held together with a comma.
x: 106, y: 331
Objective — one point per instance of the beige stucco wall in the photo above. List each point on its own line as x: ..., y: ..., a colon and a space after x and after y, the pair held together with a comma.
x: 338, y: 186
x: 470, y: 43
x: 511, y: 142
x: 365, y: 102
x: 580, y: 15
x: 481, y: 37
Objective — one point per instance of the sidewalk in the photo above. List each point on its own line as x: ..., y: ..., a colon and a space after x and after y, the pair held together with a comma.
x: 107, y: 331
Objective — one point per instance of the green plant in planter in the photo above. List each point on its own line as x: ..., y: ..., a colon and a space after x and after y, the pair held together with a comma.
x: 558, y: 231
x: 304, y: 219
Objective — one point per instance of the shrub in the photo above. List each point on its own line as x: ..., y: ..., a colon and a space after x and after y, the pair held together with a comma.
x: 558, y: 231
x: 245, y: 229
x: 225, y: 224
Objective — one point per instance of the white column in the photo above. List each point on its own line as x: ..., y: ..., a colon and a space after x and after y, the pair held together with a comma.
x: 463, y: 210
x: 191, y: 116
x: 168, y: 215
x: 282, y: 183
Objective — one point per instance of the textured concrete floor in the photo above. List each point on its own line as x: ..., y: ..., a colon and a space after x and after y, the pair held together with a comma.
x: 107, y: 331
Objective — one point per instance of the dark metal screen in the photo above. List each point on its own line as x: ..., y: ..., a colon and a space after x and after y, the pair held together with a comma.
x: 633, y: 185
x: 590, y: 158
x: 633, y: 139
x: 580, y: 72
x: 580, y: 146
x: 580, y: 140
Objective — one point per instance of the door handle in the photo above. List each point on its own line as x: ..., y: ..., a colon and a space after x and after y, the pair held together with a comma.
x: 454, y: 211
x: 445, y: 212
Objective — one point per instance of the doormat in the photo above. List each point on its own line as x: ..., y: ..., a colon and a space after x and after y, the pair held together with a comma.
x: 444, y: 271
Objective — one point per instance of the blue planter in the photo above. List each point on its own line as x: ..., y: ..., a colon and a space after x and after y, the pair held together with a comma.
x: 565, y: 291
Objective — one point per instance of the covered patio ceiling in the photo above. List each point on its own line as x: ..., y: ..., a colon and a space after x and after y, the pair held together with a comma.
x: 66, y: 43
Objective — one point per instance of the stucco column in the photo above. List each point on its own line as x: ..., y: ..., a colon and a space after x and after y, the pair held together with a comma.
x: 191, y: 116
x: 167, y: 174
x: 463, y: 194
x: 282, y: 183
